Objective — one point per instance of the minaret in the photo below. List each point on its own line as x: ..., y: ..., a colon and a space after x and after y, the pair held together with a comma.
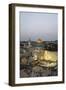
x: 29, y: 42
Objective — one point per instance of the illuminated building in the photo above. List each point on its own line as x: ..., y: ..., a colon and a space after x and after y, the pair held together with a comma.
x: 44, y: 57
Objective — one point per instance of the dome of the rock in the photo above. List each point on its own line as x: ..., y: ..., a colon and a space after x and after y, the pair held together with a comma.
x: 39, y: 40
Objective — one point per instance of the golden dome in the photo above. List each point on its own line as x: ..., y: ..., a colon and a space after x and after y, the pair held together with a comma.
x: 39, y: 40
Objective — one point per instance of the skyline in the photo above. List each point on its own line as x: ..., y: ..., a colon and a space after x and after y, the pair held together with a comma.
x: 33, y: 25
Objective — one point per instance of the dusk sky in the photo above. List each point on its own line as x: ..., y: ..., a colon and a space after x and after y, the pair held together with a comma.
x: 33, y: 25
